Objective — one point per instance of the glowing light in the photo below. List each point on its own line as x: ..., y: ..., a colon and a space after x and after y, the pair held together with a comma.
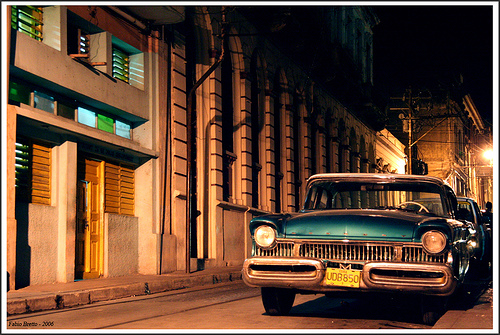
x: 488, y: 154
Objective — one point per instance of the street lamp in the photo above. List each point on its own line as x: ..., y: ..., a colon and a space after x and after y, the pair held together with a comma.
x: 488, y: 154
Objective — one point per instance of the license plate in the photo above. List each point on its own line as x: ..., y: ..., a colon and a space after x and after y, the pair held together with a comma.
x: 342, y: 277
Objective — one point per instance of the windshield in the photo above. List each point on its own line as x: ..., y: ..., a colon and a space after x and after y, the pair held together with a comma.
x: 465, y: 211
x: 422, y: 198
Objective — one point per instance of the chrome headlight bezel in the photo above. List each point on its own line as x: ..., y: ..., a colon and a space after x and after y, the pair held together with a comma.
x: 434, y: 242
x: 265, y: 237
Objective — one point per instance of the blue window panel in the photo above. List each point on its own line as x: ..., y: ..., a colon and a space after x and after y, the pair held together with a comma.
x: 86, y: 117
x: 122, y: 129
x: 44, y: 102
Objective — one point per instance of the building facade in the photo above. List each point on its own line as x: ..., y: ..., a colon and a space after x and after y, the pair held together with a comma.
x: 144, y: 140
x: 447, y: 138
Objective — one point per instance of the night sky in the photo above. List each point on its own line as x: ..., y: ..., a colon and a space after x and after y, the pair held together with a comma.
x: 421, y: 46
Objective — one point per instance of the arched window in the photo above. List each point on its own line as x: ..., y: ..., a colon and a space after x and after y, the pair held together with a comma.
x: 257, y: 124
x: 342, y: 159
x: 297, y: 157
x: 278, y: 176
x: 227, y: 123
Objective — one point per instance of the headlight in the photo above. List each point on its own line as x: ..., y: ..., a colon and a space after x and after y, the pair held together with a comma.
x: 434, y: 242
x: 265, y: 237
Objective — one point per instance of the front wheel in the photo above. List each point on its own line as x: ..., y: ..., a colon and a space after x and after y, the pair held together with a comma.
x: 277, y: 301
x: 432, y: 308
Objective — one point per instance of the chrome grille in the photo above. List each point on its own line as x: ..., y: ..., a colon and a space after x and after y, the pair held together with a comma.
x: 347, y: 252
x: 282, y: 249
x: 416, y: 254
x: 341, y: 251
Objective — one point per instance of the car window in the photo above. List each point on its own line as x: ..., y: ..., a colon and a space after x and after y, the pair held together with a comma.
x: 418, y: 197
x: 465, y: 211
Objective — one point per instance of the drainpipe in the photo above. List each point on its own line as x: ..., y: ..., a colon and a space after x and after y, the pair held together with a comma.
x: 167, y: 167
x: 191, y: 142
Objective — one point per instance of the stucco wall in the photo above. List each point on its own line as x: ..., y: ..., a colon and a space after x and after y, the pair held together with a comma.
x: 36, y: 237
x: 92, y: 86
x: 123, y: 245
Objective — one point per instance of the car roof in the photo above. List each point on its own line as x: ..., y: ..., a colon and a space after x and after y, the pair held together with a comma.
x: 465, y: 199
x: 373, y: 177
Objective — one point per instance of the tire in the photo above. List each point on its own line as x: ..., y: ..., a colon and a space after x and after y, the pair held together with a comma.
x: 277, y: 301
x: 432, y: 308
x: 430, y: 318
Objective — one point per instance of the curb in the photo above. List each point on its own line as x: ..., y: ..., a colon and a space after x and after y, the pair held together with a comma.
x: 49, y: 301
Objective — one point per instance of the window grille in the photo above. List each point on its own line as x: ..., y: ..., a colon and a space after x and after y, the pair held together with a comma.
x: 121, y: 65
x: 33, y: 164
x: 119, y: 189
x: 29, y: 20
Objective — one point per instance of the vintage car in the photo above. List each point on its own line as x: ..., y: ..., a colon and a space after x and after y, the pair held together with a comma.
x: 362, y: 233
x: 481, y: 239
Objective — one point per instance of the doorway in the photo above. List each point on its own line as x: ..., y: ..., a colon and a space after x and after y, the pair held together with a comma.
x: 89, y: 237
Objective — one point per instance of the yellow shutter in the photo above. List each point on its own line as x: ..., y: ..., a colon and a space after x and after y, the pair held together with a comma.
x: 126, y: 191
x: 119, y: 189
x: 40, y: 172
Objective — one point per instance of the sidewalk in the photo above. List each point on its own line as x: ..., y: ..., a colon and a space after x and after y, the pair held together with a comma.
x: 479, y: 316
x: 62, y: 295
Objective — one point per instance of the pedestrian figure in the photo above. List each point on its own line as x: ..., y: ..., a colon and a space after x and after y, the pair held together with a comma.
x: 487, y: 212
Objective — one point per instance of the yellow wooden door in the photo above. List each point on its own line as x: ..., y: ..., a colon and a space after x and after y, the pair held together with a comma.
x: 89, y: 253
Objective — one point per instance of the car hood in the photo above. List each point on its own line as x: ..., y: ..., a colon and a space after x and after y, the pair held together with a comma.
x: 394, y: 225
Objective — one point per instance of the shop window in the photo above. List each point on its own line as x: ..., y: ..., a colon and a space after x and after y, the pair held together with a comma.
x: 119, y: 189
x: 33, y: 163
x: 121, y: 65
x: 28, y: 20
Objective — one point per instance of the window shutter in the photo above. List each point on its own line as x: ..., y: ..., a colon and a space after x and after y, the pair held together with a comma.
x: 33, y: 163
x: 29, y: 20
x: 40, y: 189
x: 126, y: 191
x: 119, y: 189
x: 23, y: 171
x: 121, y: 65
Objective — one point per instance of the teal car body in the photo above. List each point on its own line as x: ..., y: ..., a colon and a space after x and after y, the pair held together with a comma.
x: 361, y: 233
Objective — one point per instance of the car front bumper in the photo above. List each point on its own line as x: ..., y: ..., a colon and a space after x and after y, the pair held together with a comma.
x: 308, y: 274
